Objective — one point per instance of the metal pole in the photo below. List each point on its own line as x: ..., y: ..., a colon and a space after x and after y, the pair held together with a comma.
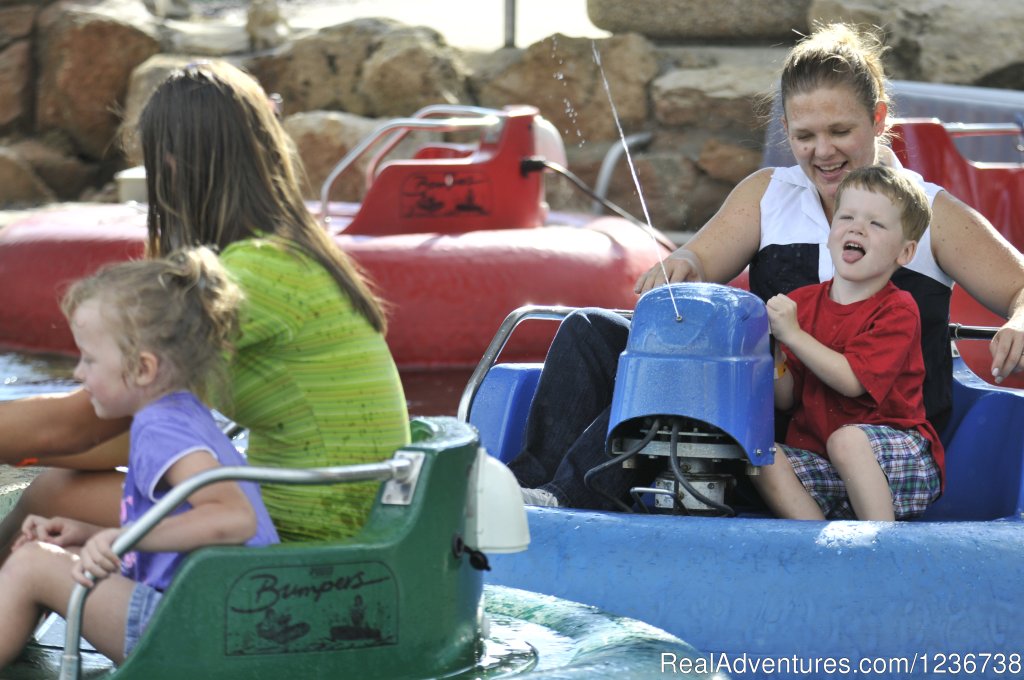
x: 510, y: 23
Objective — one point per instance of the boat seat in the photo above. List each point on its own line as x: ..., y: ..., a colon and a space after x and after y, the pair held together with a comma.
x: 996, y: 190
x: 444, y: 150
x: 984, y: 442
x: 984, y: 451
x: 501, y: 406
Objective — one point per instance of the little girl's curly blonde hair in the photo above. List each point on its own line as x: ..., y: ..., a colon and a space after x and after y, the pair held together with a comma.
x: 183, y: 308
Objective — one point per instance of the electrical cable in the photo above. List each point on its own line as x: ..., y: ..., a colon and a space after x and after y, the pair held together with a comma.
x: 534, y: 164
x: 681, y: 478
x: 618, y: 460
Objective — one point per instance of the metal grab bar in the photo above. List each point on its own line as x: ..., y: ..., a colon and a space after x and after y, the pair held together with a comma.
x: 398, y: 468
x: 430, y: 111
x: 981, y: 129
x: 490, y: 355
x: 439, y: 125
x: 959, y: 331
x: 639, y: 140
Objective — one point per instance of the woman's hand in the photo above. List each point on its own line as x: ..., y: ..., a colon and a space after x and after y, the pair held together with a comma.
x: 97, y: 559
x: 1007, y: 349
x: 56, y: 530
x: 682, y: 265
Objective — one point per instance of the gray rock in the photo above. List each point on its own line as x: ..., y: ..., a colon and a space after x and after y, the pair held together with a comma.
x: 16, y: 22
x: 561, y: 77
x: 15, y: 85
x: 322, y: 70
x: 699, y: 20
x: 717, y: 98
x: 968, y: 42
x: 409, y: 68
x: 19, y: 185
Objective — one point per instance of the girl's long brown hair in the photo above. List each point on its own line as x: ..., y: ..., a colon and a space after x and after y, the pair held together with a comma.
x: 220, y: 168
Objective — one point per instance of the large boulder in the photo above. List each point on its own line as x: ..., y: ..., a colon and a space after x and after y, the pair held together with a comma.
x: 322, y: 138
x: 368, y: 67
x: 19, y: 184
x: 16, y: 21
x: 565, y: 79
x: 53, y: 162
x: 82, y: 80
x: 321, y: 71
x: 410, y: 68
x: 15, y: 85
x: 701, y: 21
x: 968, y: 42
x: 719, y: 98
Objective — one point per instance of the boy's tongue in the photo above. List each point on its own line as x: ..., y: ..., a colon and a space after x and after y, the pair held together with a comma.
x: 851, y: 255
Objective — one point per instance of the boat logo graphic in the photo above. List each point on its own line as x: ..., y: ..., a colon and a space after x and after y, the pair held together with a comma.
x: 446, y: 194
x: 324, y: 607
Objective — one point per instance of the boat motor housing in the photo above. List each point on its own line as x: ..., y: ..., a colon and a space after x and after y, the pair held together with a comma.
x: 698, y: 360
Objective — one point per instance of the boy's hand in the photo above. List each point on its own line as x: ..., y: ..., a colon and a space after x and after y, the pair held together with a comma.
x: 782, y: 317
x: 56, y: 530
x: 97, y: 558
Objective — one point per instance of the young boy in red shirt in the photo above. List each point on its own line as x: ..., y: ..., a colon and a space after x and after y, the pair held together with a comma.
x: 858, y: 443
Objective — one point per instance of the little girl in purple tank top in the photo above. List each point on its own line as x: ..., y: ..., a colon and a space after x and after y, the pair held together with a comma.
x: 152, y: 335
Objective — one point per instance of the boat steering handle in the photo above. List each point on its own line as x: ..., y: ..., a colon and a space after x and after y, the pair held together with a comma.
x: 402, y: 125
x: 399, y: 469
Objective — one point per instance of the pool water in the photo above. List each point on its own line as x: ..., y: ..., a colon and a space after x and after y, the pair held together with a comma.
x: 24, y: 375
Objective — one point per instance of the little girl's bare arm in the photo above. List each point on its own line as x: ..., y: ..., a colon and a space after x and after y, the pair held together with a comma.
x: 220, y: 515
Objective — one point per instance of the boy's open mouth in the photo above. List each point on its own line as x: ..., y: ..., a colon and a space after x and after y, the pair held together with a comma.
x: 852, y: 251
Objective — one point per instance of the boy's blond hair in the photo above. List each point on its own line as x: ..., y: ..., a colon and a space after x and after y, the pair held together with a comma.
x: 907, y: 195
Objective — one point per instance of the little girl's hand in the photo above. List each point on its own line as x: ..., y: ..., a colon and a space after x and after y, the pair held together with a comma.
x: 97, y: 559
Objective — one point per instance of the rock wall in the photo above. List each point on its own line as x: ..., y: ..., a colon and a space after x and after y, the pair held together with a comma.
x: 691, y: 74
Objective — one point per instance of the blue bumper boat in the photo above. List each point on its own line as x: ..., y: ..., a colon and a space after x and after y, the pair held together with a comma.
x: 764, y: 597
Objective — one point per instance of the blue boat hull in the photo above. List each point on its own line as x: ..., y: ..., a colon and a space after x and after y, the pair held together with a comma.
x: 771, y: 588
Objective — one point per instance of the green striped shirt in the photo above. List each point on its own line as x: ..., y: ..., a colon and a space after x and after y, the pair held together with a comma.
x: 315, y: 385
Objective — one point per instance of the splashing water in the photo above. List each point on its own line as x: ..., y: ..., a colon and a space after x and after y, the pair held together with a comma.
x: 570, y: 111
x: 632, y: 170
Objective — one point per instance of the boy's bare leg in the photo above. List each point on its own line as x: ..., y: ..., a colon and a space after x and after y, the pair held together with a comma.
x: 866, y: 484
x: 38, y: 576
x: 782, y: 491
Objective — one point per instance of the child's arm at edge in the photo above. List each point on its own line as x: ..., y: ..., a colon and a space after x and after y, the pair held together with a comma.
x: 784, y: 397
x: 831, y: 367
x: 220, y: 515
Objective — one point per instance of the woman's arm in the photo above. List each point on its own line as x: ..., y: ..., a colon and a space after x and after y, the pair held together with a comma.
x: 53, y: 425
x: 723, y: 246
x: 221, y: 513
x: 970, y: 250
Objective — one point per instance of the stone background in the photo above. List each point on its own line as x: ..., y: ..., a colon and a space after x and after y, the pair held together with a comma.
x: 694, y: 74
